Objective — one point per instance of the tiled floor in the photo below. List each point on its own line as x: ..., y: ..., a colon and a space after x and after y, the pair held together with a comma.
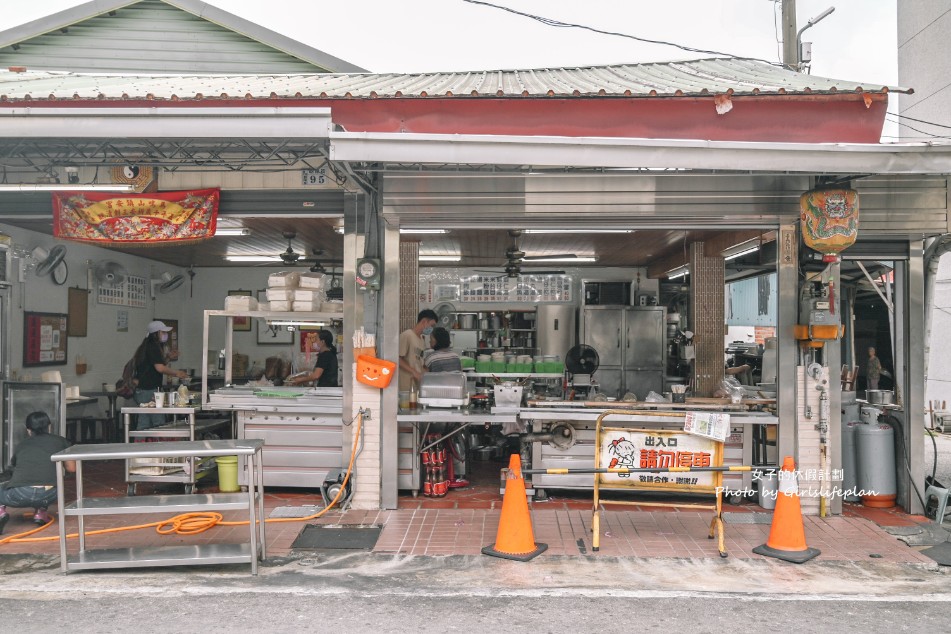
x: 468, y: 519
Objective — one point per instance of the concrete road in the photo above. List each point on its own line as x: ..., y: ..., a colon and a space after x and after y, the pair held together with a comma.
x: 360, y: 592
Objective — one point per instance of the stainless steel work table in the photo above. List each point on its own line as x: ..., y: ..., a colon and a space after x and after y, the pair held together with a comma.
x: 172, y: 504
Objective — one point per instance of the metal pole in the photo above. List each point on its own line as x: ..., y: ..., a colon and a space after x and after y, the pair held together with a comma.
x: 790, y: 52
x: 565, y: 471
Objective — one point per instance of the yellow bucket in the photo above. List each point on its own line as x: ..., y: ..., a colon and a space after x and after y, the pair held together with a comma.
x: 227, y: 474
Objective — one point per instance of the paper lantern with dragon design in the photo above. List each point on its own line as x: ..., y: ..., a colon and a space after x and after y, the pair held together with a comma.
x: 829, y: 219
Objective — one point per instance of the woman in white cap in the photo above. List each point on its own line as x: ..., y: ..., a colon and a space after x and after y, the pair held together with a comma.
x: 150, y: 370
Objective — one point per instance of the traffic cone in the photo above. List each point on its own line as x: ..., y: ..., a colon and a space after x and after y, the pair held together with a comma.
x: 515, y: 539
x: 787, y: 536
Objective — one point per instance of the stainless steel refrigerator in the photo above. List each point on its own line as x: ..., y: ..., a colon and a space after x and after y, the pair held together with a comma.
x: 631, y: 344
x: 555, y: 329
x: 21, y: 398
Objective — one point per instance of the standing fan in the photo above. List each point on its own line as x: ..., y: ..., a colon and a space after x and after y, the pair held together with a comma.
x: 582, y: 359
x: 109, y: 273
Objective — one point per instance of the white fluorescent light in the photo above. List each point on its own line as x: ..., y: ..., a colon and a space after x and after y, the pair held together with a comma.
x: 297, y: 323
x: 338, y: 230
x: 681, y: 271
x: 439, y: 258
x: 577, y: 231
x: 232, y: 231
x: 740, y: 254
x: 55, y: 187
x: 252, y: 258
x: 402, y: 230
x: 580, y: 258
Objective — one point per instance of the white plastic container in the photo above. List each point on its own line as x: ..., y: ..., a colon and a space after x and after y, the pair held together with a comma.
x: 284, y: 279
x: 240, y: 302
x: 306, y: 306
x: 280, y: 294
x: 308, y: 295
x: 313, y: 281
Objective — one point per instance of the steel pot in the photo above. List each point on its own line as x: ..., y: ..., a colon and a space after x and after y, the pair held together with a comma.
x: 880, y: 397
x: 467, y: 322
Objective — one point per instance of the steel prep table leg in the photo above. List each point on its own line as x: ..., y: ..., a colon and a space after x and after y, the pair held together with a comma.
x: 252, y: 516
x: 60, y: 505
x: 259, y: 468
x: 79, y: 503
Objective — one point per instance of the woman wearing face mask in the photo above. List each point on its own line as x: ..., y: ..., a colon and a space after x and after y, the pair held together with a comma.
x: 150, y: 369
x: 325, y: 369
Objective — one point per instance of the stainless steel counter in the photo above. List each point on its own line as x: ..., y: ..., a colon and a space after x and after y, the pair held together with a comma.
x: 302, y: 430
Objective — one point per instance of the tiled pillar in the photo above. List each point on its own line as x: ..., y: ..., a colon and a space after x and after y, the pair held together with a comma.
x: 708, y: 319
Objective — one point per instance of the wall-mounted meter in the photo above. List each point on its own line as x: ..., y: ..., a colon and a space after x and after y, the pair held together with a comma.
x: 368, y: 274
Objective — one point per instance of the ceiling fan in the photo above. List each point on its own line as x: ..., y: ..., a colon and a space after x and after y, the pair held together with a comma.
x: 290, y: 257
x: 515, y: 258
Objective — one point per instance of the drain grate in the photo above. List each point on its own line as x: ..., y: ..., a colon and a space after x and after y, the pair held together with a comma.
x: 338, y: 537
x: 748, y: 518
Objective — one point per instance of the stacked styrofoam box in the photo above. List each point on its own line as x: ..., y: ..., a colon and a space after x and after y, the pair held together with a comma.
x: 237, y: 303
x: 310, y: 293
x: 294, y: 291
x: 280, y: 290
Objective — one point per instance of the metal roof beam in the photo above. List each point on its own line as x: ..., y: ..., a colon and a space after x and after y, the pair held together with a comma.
x: 225, y: 124
x: 623, y: 153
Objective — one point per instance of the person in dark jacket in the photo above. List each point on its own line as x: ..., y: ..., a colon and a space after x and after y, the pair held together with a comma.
x: 150, y: 370
x: 34, y: 475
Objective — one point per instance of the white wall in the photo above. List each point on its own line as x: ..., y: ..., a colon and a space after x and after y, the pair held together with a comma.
x: 105, y: 348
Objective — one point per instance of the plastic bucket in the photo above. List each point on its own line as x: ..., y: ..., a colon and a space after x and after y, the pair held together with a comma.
x: 227, y: 474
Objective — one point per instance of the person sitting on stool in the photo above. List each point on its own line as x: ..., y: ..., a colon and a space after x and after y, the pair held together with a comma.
x: 34, y: 475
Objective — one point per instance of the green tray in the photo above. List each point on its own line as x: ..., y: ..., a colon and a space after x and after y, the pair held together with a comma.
x: 488, y: 367
x: 276, y: 394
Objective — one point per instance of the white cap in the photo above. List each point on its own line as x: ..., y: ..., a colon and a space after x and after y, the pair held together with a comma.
x: 158, y: 326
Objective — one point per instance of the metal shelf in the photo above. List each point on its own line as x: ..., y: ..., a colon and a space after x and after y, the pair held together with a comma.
x: 159, y: 504
x: 161, y: 556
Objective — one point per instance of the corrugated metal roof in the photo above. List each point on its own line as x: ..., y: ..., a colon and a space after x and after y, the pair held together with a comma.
x: 158, y: 36
x: 669, y: 79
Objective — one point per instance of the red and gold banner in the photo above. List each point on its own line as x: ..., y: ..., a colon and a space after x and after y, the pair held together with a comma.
x: 136, y: 219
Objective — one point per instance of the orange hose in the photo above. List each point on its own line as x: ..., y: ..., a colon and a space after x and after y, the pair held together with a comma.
x: 199, y: 522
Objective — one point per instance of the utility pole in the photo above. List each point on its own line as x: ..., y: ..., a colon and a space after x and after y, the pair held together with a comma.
x: 790, y: 46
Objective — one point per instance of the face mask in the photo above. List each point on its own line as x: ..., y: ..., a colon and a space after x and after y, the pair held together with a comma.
x: 163, y: 337
x: 428, y: 331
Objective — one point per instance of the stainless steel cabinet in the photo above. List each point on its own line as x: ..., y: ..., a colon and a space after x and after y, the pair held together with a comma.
x: 630, y: 342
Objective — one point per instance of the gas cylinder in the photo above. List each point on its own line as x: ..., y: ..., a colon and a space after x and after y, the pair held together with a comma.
x: 875, y: 459
x: 849, y: 466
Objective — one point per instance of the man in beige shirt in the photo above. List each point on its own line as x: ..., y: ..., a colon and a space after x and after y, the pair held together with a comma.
x: 413, y: 342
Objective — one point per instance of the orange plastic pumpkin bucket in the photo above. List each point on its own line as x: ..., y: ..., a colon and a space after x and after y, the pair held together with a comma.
x: 375, y: 372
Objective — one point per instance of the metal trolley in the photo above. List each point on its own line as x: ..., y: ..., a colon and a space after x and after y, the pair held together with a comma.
x: 685, y: 463
x: 188, y: 470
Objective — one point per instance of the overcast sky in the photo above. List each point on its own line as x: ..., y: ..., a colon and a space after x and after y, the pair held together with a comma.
x: 857, y: 42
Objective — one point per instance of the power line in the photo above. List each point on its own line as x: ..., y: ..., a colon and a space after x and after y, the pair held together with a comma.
x: 569, y: 25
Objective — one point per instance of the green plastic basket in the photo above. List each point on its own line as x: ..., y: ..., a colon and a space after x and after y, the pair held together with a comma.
x: 519, y: 368
x: 467, y: 362
x: 489, y: 367
x: 550, y: 367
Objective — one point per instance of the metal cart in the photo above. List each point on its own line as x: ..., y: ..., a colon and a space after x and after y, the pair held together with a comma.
x: 187, y: 470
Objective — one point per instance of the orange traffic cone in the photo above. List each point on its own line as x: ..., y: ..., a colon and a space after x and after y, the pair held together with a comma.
x: 787, y: 537
x: 515, y: 539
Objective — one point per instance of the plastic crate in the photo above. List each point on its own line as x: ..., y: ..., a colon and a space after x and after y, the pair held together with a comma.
x: 519, y: 368
x: 550, y: 367
x: 488, y: 367
x: 467, y: 362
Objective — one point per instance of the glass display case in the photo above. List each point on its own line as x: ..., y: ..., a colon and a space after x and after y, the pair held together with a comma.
x: 21, y: 398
